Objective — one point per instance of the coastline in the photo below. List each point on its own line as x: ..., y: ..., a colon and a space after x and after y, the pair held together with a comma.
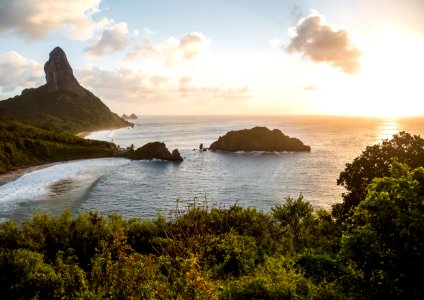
x: 15, y: 174
x: 83, y: 134
x: 102, y: 135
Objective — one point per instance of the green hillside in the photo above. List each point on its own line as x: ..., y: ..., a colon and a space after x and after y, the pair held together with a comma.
x: 62, y: 103
x: 23, y: 144
x: 61, y: 110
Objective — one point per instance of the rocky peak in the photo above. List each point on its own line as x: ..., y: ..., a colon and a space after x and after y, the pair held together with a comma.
x: 59, y: 75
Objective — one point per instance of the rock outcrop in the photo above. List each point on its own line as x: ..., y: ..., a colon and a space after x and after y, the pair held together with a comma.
x: 59, y: 74
x: 61, y: 104
x: 258, y: 139
x: 130, y: 117
x: 156, y: 150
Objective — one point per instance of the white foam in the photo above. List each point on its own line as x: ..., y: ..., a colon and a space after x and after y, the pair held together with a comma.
x: 103, y: 135
x: 36, y: 184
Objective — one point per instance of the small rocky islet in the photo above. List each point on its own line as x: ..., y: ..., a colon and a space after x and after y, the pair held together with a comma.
x: 130, y: 117
x: 155, y: 150
x: 258, y: 139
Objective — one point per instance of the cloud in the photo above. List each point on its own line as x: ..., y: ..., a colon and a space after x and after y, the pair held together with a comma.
x: 37, y: 19
x: 275, y: 43
x: 310, y: 88
x: 322, y: 43
x: 18, y: 71
x: 113, y: 39
x: 172, y: 51
x: 137, y: 86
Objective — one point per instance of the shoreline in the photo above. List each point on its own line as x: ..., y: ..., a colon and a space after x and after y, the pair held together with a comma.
x: 83, y: 134
x: 101, y: 135
x: 18, y: 172
x: 15, y: 174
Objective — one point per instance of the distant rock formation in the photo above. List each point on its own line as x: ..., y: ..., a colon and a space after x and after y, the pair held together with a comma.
x: 258, y: 139
x: 156, y: 150
x: 61, y: 104
x: 130, y: 117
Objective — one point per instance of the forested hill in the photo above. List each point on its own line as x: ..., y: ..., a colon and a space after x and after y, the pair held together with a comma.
x: 62, y: 103
x: 23, y: 144
x: 61, y: 110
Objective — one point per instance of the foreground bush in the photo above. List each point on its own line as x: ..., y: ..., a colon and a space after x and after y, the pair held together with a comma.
x: 196, y: 253
x: 372, y: 250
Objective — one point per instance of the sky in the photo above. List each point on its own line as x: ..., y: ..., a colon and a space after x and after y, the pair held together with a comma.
x: 216, y: 57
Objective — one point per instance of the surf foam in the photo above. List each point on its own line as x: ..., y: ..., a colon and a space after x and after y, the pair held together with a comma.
x: 34, y: 185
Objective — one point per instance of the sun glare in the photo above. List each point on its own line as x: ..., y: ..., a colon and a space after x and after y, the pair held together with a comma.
x: 391, y: 76
x: 389, y: 83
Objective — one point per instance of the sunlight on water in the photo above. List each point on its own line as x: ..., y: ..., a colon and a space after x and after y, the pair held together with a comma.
x: 387, y: 129
x: 261, y: 180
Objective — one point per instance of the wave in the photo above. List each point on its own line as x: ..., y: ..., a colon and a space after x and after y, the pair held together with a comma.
x: 36, y: 184
x: 103, y: 135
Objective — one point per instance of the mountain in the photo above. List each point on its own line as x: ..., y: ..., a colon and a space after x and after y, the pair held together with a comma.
x: 62, y: 103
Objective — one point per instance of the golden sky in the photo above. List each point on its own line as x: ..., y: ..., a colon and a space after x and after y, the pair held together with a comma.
x: 225, y: 57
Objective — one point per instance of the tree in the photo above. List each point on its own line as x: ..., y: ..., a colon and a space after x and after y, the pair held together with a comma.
x: 375, y: 162
x: 297, y: 215
x: 385, y: 240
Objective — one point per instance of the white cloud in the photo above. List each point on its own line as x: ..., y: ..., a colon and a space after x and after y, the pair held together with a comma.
x: 37, y: 19
x: 137, y: 86
x: 113, y: 39
x: 18, y: 71
x: 322, y: 43
x: 171, y: 51
x: 275, y: 43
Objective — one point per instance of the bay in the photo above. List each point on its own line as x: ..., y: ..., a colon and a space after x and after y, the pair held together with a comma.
x: 256, y: 179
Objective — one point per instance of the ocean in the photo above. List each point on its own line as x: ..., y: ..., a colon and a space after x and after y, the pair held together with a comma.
x: 145, y: 188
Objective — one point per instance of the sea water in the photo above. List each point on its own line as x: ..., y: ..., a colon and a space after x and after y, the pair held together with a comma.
x: 251, y: 179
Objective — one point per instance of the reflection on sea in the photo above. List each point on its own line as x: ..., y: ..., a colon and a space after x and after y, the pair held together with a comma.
x: 387, y: 129
x: 142, y: 188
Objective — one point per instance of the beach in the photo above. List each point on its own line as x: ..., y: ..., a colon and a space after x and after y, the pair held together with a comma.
x: 14, y: 174
x: 102, y: 135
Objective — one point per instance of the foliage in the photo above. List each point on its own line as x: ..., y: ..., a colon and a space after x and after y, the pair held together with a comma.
x: 202, y: 252
x: 376, y: 162
x: 386, y: 239
x: 197, y: 252
x: 61, y: 111
x: 23, y: 144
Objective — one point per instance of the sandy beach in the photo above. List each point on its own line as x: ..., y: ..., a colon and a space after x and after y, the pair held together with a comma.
x: 102, y: 135
x: 83, y: 134
x: 14, y: 174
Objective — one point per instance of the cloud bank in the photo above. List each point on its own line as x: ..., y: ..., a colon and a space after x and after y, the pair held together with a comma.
x: 113, y: 39
x: 315, y: 39
x: 37, y: 19
x: 18, y: 71
x: 137, y: 86
x: 172, y: 51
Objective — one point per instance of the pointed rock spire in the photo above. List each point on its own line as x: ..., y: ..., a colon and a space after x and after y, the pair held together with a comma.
x: 59, y: 75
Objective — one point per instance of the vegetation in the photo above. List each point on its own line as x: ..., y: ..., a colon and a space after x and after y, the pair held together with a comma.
x: 198, y: 252
x: 374, y: 162
x: 22, y: 144
x: 61, y: 111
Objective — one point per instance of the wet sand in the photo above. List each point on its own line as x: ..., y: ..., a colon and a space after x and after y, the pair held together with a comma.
x: 14, y: 174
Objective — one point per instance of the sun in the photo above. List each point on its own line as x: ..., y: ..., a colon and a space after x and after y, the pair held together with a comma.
x: 392, y: 75
x: 389, y: 83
